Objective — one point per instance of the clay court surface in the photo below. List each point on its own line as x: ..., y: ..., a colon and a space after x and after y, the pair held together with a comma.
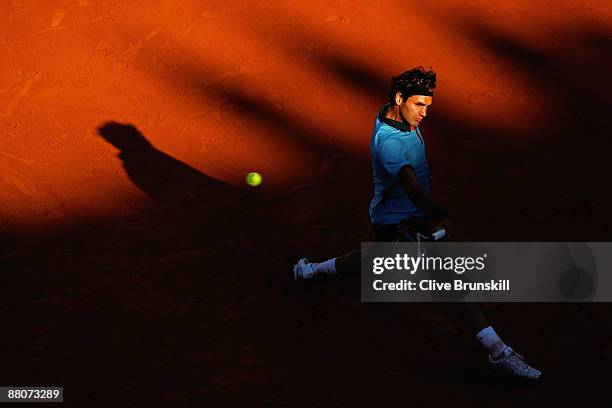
x: 138, y: 269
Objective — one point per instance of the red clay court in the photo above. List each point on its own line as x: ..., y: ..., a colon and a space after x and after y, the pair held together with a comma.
x: 137, y: 269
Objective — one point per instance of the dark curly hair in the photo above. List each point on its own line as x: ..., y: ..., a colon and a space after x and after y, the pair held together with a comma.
x: 416, y: 81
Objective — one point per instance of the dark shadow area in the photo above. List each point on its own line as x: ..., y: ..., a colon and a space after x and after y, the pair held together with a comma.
x: 182, y: 296
x: 560, y: 190
x: 352, y: 73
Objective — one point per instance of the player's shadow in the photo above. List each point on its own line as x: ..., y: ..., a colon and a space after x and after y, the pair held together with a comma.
x: 167, y: 180
x: 200, y: 205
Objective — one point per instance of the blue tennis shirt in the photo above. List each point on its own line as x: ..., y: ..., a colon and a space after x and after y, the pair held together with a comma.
x: 394, y: 146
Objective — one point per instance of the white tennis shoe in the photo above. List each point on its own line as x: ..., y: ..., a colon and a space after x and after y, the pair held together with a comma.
x: 510, y: 362
x: 303, y: 270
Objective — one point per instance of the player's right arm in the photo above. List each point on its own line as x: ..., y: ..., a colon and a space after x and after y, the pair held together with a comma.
x: 437, y: 218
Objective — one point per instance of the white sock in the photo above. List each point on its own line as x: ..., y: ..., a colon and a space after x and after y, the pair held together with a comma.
x: 491, y: 341
x: 326, y: 267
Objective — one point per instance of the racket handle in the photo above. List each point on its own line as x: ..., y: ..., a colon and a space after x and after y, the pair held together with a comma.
x: 439, y: 234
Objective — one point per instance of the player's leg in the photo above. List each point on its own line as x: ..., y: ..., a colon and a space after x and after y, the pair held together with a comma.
x: 501, y: 357
x: 346, y: 264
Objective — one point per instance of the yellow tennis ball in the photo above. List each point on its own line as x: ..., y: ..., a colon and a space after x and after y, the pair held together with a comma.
x: 253, y: 179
